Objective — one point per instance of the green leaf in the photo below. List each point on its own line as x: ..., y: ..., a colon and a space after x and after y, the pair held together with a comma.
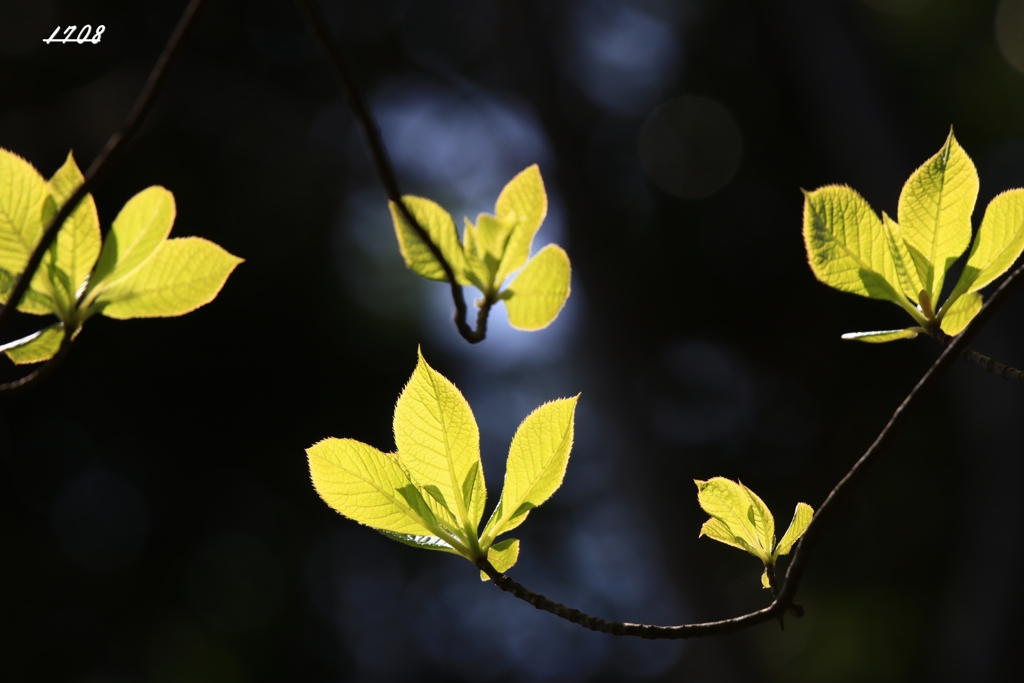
x: 536, y: 296
x: 718, y: 530
x: 439, y: 442
x: 142, y: 225
x: 536, y: 465
x: 906, y: 272
x: 423, y: 542
x: 997, y: 245
x: 502, y: 556
x: 440, y: 228
x: 801, y: 518
x: 477, y: 271
x: 522, y: 204
x: 961, y: 313
x: 847, y: 246
x: 180, y: 276
x: 935, y: 212
x: 33, y: 302
x: 372, y: 488
x: 37, y: 347
x: 883, y: 336
x: 741, y: 512
x: 78, y: 242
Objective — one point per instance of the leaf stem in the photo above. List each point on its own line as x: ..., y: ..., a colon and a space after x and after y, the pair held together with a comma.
x: 783, y: 601
x: 99, y: 165
x: 9, y: 389
x: 386, y: 172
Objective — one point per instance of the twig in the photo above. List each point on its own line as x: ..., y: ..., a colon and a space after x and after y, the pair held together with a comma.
x: 9, y: 389
x: 993, y: 366
x: 382, y: 162
x: 102, y: 162
x: 794, y: 573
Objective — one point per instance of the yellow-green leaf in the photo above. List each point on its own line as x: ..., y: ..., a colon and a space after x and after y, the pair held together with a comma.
x: 536, y: 296
x: 140, y: 227
x: 423, y: 542
x: 847, y: 247
x: 801, y: 518
x: 33, y: 302
x: 477, y: 271
x: 718, y: 530
x: 997, y: 245
x: 37, y: 347
x: 440, y: 228
x: 883, y: 336
x: 742, y: 513
x: 439, y: 442
x: 22, y: 193
x: 935, y: 212
x: 78, y: 242
x: 906, y: 272
x: 372, y: 488
x: 182, y: 275
x: 502, y: 556
x: 961, y: 313
x: 522, y: 204
x: 536, y: 465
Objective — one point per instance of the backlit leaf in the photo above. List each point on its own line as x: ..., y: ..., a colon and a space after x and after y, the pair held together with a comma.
x: 182, y: 275
x: 536, y: 296
x: 883, y: 336
x: 718, y: 530
x: 741, y: 512
x: 37, y: 347
x: 801, y: 518
x: 139, y: 228
x: 370, y: 487
x: 33, y: 302
x: 998, y: 244
x: 961, y: 313
x: 536, y: 465
x: 502, y: 556
x: 22, y: 193
x: 906, y: 272
x: 934, y: 212
x: 522, y: 204
x: 78, y: 242
x: 440, y: 228
x: 439, y: 442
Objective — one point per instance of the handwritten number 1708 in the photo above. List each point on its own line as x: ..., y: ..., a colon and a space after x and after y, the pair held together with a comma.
x: 86, y: 35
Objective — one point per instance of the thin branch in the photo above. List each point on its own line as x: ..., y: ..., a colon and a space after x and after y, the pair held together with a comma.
x: 102, y: 162
x: 9, y: 389
x: 386, y: 172
x: 993, y: 366
x: 794, y: 573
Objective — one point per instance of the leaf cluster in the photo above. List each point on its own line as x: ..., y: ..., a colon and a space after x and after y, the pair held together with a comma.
x: 136, y: 272
x: 430, y: 492
x: 493, y: 250
x: 853, y: 249
x: 741, y: 519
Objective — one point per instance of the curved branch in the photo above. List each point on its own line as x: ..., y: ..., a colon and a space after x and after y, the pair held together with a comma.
x: 386, y: 172
x: 102, y: 162
x: 794, y: 573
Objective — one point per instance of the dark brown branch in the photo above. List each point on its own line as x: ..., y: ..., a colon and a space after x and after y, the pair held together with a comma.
x: 9, y: 389
x: 102, y: 162
x: 993, y: 366
x: 385, y: 171
x: 784, y: 599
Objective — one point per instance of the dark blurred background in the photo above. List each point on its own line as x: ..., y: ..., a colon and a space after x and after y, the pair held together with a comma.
x: 156, y: 514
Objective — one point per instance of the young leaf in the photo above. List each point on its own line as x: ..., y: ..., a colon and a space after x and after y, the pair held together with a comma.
x: 477, y: 271
x: 438, y: 441
x: 718, y: 530
x: 372, y: 488
x: 141, y: 226
x: 180, y: 276
x: 22, y: 193
x: 502, y: 556
x: 536, y: 296
x: 536, y: 465
x: 934, y: 212
x: 742, y: 513
x: 441, y: 228
x: 37, y: 347
x: 847, y: 247
x: 961, y: 313
x: 78, y: 242
x: 883, y: 335
x: 424, y: 542
x: 999, y: 242
x: 34, y: 302
x: 523, y: 204
x: 903, y: 264
x: 801, y: 518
